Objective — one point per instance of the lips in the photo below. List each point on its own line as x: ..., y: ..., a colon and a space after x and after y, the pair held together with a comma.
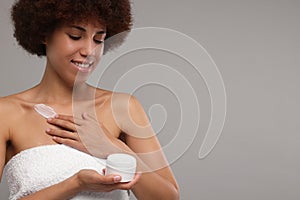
x: 83, y: 66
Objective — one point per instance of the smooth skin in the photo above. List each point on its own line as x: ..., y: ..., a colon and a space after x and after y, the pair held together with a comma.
x: 116, y: 116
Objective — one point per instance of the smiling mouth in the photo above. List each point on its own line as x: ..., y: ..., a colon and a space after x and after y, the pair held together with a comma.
x: 83, y: 65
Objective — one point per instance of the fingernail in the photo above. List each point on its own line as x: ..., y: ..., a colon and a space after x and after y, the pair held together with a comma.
x: 49, y: 119
x: 48, y: 130
x: 117, y: 178
x: 56, y: 116
x: 85, y: 115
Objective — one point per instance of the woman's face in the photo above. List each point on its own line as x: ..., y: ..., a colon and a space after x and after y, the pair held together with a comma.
x: 75, y: 49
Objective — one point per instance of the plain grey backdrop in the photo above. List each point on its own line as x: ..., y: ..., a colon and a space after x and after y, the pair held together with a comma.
x: 256, y: 46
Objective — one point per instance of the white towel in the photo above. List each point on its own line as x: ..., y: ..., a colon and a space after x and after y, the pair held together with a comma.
x: 39, y: 167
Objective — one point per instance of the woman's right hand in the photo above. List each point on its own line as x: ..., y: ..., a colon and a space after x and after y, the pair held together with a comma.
x: 91, y: 180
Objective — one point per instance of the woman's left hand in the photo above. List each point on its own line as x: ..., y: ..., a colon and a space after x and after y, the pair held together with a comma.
x: 66, y: 132
x: 85, y: 134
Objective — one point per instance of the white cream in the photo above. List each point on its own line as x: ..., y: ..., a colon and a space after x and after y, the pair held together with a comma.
x: 45, y: 111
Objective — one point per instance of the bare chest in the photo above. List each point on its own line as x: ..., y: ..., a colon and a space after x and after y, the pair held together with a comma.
x: 29, y: 130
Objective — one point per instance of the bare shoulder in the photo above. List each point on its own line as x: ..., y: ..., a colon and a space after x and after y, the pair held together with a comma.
x: 127, y: 111
x: 117, y: 99
x: 123, y: 102
x: 14, y: 107
x: 8, y: 108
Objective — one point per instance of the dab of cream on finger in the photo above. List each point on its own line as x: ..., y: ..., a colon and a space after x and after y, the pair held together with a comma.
x: 45, y: 111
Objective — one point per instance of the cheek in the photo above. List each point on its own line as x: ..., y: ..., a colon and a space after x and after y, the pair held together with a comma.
x: 62, y: 47
x: 98, y: 49
x: 59, y: 55
x: 99, y: 52
x: 67, y: 48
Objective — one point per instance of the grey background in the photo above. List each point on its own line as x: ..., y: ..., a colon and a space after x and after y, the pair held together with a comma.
x: 256, y: 46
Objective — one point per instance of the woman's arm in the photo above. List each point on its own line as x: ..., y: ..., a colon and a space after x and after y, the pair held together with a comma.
x: 61, y: 191
x: 4, y: 137
x: 157, y: 181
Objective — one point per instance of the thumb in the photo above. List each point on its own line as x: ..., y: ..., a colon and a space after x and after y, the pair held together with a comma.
x: 112, y: 178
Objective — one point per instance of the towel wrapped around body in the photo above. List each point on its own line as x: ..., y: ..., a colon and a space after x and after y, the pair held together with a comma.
x: 39, y: 167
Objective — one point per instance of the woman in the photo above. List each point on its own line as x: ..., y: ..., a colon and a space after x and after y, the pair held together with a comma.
x: 48, y: 158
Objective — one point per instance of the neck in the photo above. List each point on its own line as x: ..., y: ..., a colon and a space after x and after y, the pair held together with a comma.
x: 54, y: 90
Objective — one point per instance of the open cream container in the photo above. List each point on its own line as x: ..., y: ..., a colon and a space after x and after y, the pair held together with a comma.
x: 121, y: 164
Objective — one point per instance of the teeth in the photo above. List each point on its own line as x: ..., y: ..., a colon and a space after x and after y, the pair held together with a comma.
x: 83, y: 65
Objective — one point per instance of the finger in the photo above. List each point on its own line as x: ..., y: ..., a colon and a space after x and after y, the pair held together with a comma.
x: 86, y: 116
x: 62, y: 134
x: 71, y: 143
x: 74, y: 120
x: 113, y: 184
x: 136, y: 178
x: 62, y: 123
x: 111, y: 179
x: 129, y: 185
x: 91, y: 121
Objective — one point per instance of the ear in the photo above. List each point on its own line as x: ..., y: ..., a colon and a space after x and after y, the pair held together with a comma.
x: 45, y: 40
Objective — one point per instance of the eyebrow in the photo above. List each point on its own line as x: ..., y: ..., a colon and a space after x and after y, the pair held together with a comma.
x: 82, y: 29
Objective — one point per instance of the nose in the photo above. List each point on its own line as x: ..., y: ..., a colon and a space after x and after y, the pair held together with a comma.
x: 87, y: 49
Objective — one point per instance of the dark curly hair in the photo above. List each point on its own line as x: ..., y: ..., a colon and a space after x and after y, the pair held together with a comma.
x: 34, y: 20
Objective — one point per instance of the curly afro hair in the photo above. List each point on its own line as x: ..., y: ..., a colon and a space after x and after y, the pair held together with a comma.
x: 34, y: 20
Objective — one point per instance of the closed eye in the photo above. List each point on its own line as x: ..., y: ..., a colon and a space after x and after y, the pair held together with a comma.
x: 99, y: 41
x: 74, y: 37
